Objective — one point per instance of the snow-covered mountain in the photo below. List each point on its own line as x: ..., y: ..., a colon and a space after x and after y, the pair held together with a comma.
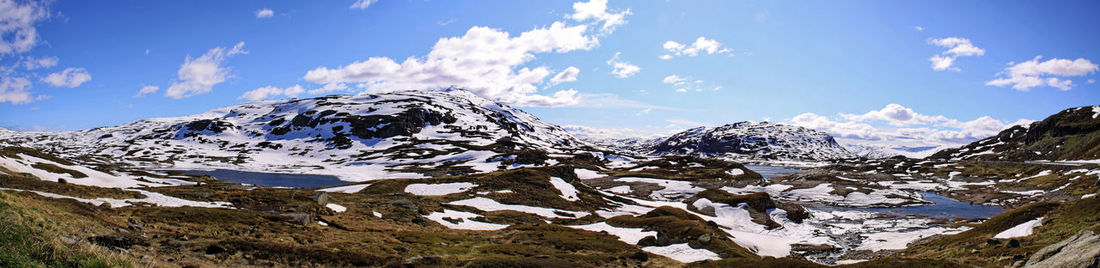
x: 364, y: 137
x: 879, y: 150
x: 761, y: 141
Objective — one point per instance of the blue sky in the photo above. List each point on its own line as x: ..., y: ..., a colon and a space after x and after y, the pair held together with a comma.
x: 857, y: 69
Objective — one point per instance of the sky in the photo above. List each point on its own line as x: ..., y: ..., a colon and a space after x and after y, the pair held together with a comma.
x: 890, y: 72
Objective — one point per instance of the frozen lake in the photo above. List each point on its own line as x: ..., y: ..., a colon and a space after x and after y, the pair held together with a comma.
x: 270, y: 179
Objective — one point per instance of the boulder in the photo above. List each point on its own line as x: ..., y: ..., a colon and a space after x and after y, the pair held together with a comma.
x: 1081, y: 250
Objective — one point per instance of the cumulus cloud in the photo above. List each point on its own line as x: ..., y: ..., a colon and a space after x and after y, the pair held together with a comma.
x: 362, y: 4
x: 956, y: 47
x: 486, y: 61
x: 597, y: 10
x: 14, y: 90
x: 1033, y: 73
x: 17, y: 21
x: 329, y: 88
x: 146, y: 90
x: 907, y: 127
x: 701, y: 45
x: 31, y: 63
x: 199, y: 75
x: 620, y: 68
x: 270, y: 91
x: 264, y: 13
x: 567, y: 75
x: 70, y: 77
x: 895, y: 115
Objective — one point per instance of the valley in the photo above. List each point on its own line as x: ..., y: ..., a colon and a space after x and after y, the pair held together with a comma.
x: 447, y: 178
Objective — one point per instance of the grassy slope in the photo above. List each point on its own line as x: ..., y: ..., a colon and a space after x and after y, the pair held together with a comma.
x: 30, y: 235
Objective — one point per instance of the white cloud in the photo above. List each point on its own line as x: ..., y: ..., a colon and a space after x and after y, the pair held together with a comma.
x: 17, y: 20
x: 956, y: 47
x: 673, y: 79
x: 909, y: 128
x: 31, y: 63
x: 362, y: 4
x: 597, y: 10
x: 895, y: 115
x: 70, y: 77
x: 701, y: 45
x: 270, y: 91
x: 485, y: 61
x: 199, y: 75
x: 918, y: 28
x: 567, y: 75
x: 328, y: 88
x: 940, y: 63
x: 14, y: 90
x: 1033, y: 73
x: 146, y: 90
x: 622, y: 69
x: 264, y: 13
x: 685, y: 123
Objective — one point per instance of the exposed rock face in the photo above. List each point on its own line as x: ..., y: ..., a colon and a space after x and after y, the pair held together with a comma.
x: 1068, y: 135
x: 1081, y: 250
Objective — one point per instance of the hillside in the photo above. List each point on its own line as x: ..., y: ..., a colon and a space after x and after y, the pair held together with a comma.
x: 402, y: 134
x: 1072, y: 134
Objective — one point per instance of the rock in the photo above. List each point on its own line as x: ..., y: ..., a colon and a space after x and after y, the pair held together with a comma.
x: 321, y: 198
x: 62, y: 181
x: 136, y: 225
x: 648, y: 241
x: 299, y: 218
x: 1081, y: 250
x: 416, y: 261
x: 1013, y: 243
x: 405, y: 204
x: 704, y: 238
x: 993, y: 242
x: 105, y: 205
x: 640, y: 256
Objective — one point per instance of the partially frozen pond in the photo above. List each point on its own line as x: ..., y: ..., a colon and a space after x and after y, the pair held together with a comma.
x: 942, y: 207
x: 772, y: 171
x: 270, y: 179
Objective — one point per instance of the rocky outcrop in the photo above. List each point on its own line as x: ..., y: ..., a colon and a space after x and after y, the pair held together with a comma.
x: 1081, y: 250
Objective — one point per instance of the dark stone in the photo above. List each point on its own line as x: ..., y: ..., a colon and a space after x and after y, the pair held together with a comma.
x: 648, y: 241
x: 1013, y: 243
x: 640, y: 256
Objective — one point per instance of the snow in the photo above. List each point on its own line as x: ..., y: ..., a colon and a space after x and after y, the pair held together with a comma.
x: 1088, y: 195
x: 336, y: 207
x: 350, y: 189
x: 422, y: 189
x: 671, y: 189
x: 150, y: 197
x: 586, y: 174
x: 628, y: 235
x: 1095, y: 111
x: 736, y: 172
x: 376, y: 214
x: 621, y: 189
x: 898, y: 240
x: 487, y: 204
x: 683, y: 253
x: 464, y: 219
x: 1022, y: 230
x: 567, y: 190
x: 94, y: 177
